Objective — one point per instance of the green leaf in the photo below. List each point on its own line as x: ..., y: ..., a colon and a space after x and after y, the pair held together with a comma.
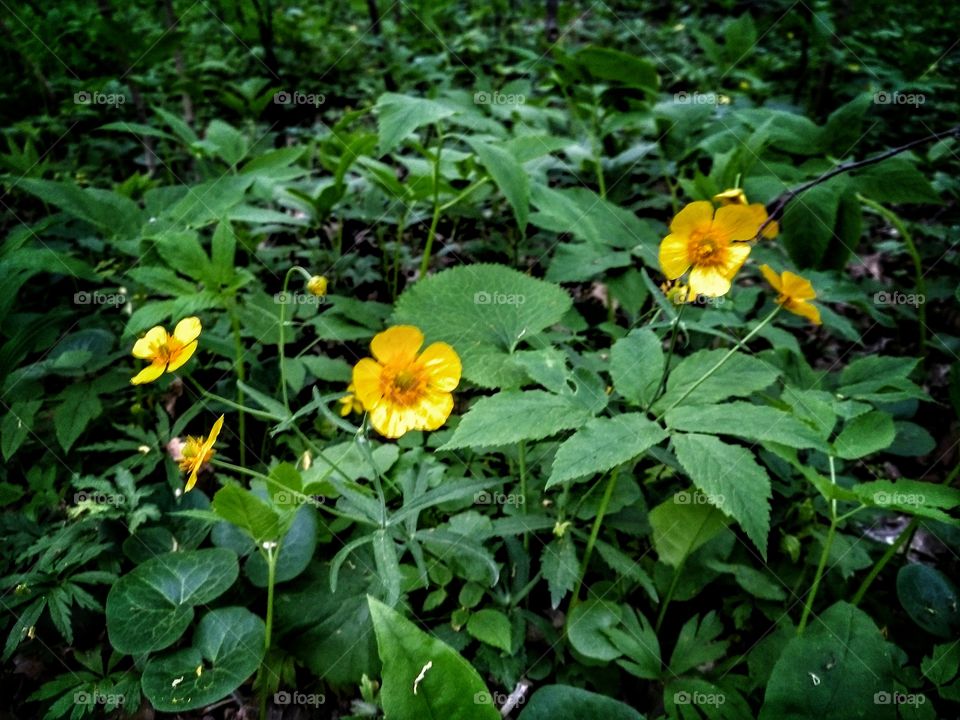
x: 227, y: 649
x: 865, y: 435
x: 682, y: 524
x: 731, y: 479
x: 636, y: 364
x: 150, y: 607
x: 424, y: 677
x: 587, y: 627
x: 560, y: 567
x: 833, y: 671
x: 808, y: 223
x: 17, y: 425
x: 255, y: 516
x: 914, y: 497
x: 697, y: 644
x: 296, y: 550
x: 483, y: 311
x: 563, y: 702
x: 491, y: 627
x: 509, y: 176
x: 80, y: 405
x: 505, y: 419
x: 746, y: 420
x: 387, y: 560
x: 740, y: 376
x: 930, y: 599
x: 616, y: 66
x: 223, y: 252
x: 602, y: 444
x: 896, y: 181
x: 399, y: 115
x: 639, y: 643
x: 226, y: 142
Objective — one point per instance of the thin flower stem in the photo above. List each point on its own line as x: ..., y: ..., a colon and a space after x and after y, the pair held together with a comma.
x: 666, y: 365
x: 919, y: 281
x: 364, y: 443
x: 271, y: 554
x: 241, y: 377
x: 722, y: 360
x: 594, y: 534
x: 670, y: 590
x: 281, y: 342
x: 827, y: 546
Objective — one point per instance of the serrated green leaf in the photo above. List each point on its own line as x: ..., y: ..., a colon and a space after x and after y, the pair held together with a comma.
x: 745, y: 420
x: 491, y: 627
x: 732, y: 481
x: 602, y: 444
x: 865, y: 435
x: 740, y: 376
x: 636, y: 365
x: 506, y: 418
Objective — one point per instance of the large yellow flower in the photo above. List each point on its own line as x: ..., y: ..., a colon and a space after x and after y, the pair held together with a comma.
x: 403, y: 390
x: 795, y: 293
x: 711, y: 246
x: 197, y: 452
x: 166, y: 352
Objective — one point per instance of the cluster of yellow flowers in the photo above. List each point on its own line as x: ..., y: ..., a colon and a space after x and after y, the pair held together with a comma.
x: 400, y: 388
x: 712, y: 245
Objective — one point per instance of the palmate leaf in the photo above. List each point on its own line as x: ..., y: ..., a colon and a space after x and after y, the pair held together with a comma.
x: 484, y: 312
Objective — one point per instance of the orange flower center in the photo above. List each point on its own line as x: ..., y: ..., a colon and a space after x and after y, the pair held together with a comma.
x: 191, y: 454
x: 705, y: 250
x: 403, y: 385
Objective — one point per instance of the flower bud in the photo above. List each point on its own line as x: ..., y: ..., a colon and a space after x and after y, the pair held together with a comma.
x: 317, y: 285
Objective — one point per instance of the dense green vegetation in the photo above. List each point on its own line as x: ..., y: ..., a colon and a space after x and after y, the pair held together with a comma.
x: 437, y: 359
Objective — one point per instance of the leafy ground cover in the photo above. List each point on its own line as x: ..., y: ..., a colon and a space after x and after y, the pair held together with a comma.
x: 477, y: 360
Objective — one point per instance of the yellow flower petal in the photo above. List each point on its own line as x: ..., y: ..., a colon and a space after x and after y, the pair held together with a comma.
x: 709, y: 281
x: 397, y: 345
x: 443, y: 366
x: 771, y: 277
x: 192, y: 480
x: 674, y: 260
x: 150, y: 373
x: 695, y: 216
x: 366, y: 380
x: 146, y: 346
x: 434, y: 410
x: 738, y: 222
x: 181, y: 356
x: 736, y: 257
x: 187, y: 330
x: 797, y: 287
x: 391, y: 421
x: 734, y: 196
x: 804, y: 309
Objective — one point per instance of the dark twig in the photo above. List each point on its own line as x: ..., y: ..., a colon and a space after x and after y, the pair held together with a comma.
x: 775, y: 209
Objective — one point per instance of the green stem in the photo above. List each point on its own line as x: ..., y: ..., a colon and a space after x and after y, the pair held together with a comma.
x: 241, y: 377
x: 662, y: 385
x: 919, y: 281
x: 271, y: 554
x: 827, y: 545
x: 364, y: 444
x: 522, y: 462
x: 722, y: 360
x: 428, y: 248
x: 670, y: 590
x: 594, y: 533
x: 280, y: 342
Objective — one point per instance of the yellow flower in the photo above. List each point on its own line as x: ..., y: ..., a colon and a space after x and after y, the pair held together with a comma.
x: 736, y: 196
x: 166, y: 352
x: 795, y: 293
x: 350, y: 402
x: 712, y: 247
x: 402, y: 390
x: 197, y: 452
x: 317, y: 285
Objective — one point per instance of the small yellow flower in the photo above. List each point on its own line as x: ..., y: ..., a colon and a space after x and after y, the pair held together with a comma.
x: 713, y: 247
x: 350, y: 402
x: 403, y: 390
x: 317, y: 285
x: 795, y: 293
x: 733, y: 196
x: 166, y: 352
x: 197, y: 452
